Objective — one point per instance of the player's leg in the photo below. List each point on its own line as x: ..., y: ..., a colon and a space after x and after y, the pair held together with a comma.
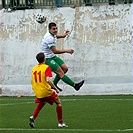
x: 57, y: 78
x: 59, y: 116
x: 64, y: 78
x: 63, y: 66
x: 55, y: 63
x: 67, y: 80
x: 61, y: 70
x: 53, y: 98
x: 39, y: 106
x: 59, y: 111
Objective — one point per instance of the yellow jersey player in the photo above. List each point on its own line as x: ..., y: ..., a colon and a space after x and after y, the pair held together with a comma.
x: 41, y: 85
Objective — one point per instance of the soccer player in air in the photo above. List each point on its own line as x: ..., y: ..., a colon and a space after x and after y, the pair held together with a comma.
x: 48, y: 46
x: 41, y: 85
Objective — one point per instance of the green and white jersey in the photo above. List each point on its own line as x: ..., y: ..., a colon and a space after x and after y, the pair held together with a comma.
x: 48, y: 41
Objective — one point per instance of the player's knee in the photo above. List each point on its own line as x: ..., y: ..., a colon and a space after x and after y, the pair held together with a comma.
x: 61, y: 75
x: 65, y: 70
x: 60, y: 72
x: 58, y: 103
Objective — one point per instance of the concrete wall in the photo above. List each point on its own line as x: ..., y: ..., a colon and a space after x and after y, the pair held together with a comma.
x: 100, y: 35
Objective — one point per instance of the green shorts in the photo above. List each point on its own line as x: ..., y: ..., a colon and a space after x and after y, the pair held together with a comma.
x: 54, y: 62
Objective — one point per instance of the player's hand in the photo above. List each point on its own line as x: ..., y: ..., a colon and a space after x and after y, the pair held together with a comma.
x: 57, y: 91
x: 71, y: 51
x: 66, y: 32
x: 55, y: 88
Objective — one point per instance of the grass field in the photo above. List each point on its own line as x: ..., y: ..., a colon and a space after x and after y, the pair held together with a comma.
x: 86, y: 114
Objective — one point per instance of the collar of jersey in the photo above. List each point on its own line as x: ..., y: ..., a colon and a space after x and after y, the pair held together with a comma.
x: 52, y: 34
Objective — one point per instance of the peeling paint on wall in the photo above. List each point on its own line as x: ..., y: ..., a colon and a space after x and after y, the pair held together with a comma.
x: 100, y: 35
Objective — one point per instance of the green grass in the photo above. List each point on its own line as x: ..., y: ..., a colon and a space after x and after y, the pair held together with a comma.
x: 92, y: 114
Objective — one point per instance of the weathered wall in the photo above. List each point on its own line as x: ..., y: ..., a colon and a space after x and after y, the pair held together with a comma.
x: 100, y: 35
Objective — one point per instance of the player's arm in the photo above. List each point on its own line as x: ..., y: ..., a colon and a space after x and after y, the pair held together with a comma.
x: 62, y: 35
x: 61, y: 51
x: 51, y: 84
x: 48, y: 74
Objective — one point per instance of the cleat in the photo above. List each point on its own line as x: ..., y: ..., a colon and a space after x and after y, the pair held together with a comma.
x: 31, y: 122
x: 59, y: 125
x: 62, y: 125
x: 78, y: 85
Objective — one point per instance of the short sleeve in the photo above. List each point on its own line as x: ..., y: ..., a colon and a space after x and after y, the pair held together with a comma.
x: 48, y: 72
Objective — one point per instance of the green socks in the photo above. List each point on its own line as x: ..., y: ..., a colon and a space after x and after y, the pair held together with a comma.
x: 56, y: 79
x: 68, y: 81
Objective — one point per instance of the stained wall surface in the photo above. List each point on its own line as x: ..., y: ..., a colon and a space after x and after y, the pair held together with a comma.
x: 101, y: 37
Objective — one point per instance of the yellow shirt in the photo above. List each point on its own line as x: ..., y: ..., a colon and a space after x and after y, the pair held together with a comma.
x: 39, y: 84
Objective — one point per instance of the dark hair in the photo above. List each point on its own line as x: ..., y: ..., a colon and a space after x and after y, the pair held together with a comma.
x: 40, y: 57
x: 51, y: 25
